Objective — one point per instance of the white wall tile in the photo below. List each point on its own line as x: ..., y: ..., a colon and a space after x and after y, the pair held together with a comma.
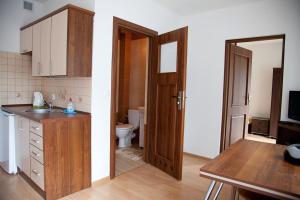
x: 16, y: 82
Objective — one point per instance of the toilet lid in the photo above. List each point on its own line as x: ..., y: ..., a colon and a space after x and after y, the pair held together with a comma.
x: 124, y: 126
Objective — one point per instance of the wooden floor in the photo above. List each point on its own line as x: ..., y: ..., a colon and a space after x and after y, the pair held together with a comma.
x: 145, y: 183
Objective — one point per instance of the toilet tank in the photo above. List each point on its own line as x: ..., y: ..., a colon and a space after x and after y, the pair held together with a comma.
x: 134, y: 118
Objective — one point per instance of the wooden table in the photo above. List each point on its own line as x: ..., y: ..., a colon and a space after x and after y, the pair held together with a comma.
x: 257, y: 167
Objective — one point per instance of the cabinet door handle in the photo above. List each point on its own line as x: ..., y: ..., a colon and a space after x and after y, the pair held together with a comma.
x: 35, y: 128
x: 36, y: 172
x: 36, y: 154
x: 39, y: 70
x: 35, y: 141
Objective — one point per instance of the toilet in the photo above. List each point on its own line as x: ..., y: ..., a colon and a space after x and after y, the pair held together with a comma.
x: 125, y: 131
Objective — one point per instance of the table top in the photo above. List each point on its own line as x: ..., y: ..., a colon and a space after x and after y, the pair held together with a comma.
x: 256, y: 166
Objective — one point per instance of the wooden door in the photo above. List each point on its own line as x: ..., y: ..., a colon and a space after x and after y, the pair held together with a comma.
x: 59, y: 36
x: 240, y: 60
x: 45, y: 47
x: 276, y: 101
x: 167, y: 103
x: 36, y: 49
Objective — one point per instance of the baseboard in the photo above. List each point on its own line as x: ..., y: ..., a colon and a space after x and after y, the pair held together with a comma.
x: 100, y: 181
x: 197, y: 156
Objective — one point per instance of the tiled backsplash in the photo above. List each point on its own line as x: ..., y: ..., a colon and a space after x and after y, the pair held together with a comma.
x: 79, y: 89
x: 16, y: 82
x: 17, y: 85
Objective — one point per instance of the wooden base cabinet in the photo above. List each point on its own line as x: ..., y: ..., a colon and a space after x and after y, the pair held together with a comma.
x: 58, y: 154
x: 67, y: 157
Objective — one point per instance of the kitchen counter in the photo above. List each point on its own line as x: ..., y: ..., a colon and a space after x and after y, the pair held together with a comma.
x: 20, y: 110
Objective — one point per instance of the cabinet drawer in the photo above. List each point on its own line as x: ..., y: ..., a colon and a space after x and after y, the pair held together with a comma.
x: 37, y: 154
x: 37, y: 173
x: 36, y: 128
x: 36, y: 140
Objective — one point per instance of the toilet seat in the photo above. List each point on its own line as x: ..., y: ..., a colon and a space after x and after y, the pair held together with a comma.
x: 124, y: 126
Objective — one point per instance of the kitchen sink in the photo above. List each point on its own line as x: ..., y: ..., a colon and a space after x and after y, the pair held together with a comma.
x: 43, y: 111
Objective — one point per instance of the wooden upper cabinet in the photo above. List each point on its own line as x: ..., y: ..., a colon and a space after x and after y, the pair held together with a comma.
x: 62, y: 43
x: 59, y: 37
x: 26, y: 40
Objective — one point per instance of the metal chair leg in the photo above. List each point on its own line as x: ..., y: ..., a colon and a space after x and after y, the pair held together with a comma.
x: 210, y: 189
x: 218, y: 191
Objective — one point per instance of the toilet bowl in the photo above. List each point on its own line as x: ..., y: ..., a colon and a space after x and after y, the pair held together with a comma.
x: 125, y: 131
x: 125, y: 134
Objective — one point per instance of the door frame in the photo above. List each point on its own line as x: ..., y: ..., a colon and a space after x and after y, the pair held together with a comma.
x: 227, y: 74
x: 119, y: 24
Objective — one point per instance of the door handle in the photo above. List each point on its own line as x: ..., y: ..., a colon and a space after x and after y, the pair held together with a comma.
x: 179, y: 100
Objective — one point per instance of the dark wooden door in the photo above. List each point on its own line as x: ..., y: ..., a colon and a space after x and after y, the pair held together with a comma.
x: 276, y: 101
x: 167, y: 105
x: 240, y: 60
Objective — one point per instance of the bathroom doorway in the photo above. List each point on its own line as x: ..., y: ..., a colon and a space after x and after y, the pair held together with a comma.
x: 131, y: 100
x: 131, y: 52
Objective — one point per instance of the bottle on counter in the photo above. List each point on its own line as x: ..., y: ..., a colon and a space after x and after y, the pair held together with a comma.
x: 71, y: 106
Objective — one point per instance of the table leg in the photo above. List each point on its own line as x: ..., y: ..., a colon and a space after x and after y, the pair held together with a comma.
x: 210, y: 189
x: 233, y: 194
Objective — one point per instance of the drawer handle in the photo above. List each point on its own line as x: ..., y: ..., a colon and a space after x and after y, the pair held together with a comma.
x: 35, y: 141
x: 36, y: 154
x: 36, y: 172
x: 35, y: 128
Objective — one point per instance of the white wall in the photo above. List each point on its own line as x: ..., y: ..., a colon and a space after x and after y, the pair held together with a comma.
x: 207, y: 35
x: 12, y: 18
x: 143, y: 12
x: 51, y: 5
x: 265, y: 56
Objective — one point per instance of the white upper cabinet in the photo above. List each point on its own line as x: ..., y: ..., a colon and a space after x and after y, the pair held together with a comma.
x: 26, y: 40
x: 41, y: 48
x: 59, y: 37
x: 49, y: 55
x: 45, y: 47
x: 36, y: 50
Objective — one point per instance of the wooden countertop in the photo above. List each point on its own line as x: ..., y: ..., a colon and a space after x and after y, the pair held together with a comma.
x: 256, y: 166
x: 20, y: 110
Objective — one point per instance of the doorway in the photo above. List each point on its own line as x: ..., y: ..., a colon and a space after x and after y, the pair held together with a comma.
x: 131, y: 98
x: 252, y: 89
x: 164, y: 99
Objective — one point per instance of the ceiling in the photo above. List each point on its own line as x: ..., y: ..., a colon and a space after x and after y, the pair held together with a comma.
x: 187, y: 7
